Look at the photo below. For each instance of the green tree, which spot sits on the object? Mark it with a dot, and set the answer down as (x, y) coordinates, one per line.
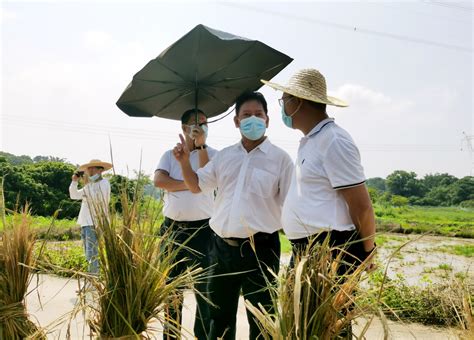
(462, 190)
(16, 160)
(431, 181)
(399, 201)
(405, 184)
(377, 183)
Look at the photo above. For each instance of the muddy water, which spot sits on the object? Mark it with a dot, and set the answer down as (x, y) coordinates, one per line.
(421, 260)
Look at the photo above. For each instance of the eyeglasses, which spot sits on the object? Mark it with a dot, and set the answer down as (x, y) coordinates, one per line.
(281, 101)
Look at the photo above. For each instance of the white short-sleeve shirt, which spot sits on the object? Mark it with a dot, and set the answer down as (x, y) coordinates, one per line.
(184, 205)
(328, 160)
(251, 188)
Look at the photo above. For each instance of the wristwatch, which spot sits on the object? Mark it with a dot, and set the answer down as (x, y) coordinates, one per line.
(202, 147)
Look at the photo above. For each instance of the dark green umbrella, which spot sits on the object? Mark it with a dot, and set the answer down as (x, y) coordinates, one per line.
(206, 68)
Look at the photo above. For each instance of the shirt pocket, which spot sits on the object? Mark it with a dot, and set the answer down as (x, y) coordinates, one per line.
(263, 183)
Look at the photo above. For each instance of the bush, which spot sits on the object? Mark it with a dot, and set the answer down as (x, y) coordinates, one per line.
(446, 304)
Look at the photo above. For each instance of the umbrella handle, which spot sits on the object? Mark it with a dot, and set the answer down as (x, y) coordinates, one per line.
(218, 119)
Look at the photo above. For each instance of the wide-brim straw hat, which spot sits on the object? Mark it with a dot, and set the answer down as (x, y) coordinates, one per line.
(308, 84)
(96, 163)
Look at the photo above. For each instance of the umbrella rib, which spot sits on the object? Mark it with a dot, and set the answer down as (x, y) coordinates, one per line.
(213, 96)
(172, 101)
(153, 95)
(170, 69)
(246, 77)
(233, 61)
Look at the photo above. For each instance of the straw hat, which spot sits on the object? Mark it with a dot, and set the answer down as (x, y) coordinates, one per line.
(96, 163)
(308, 84)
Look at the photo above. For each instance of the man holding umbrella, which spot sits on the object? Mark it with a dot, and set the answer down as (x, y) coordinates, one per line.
(187, 216)
(252, 178)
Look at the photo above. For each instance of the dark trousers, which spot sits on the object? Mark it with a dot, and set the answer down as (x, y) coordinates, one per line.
(197, 235)
(240, 268)
(353, 255)
(348, 240)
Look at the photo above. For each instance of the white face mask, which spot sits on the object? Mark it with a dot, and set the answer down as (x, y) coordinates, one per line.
(203, 127)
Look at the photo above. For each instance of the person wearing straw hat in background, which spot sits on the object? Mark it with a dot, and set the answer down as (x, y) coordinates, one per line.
(327, 195)
(95, 196)
(187, 215)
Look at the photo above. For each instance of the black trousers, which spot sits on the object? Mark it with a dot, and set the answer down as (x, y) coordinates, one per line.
(199, 242)
(348, 240)
(353, 256)
(239, 268)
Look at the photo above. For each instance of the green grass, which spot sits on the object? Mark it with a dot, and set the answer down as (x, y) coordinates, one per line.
(61, 258)
(446, 221)
(445, 266)
(47, 228)
(466, 250)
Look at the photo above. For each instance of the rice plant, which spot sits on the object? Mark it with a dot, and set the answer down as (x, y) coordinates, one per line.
(16, 259)
(134, 286)
(311, 301)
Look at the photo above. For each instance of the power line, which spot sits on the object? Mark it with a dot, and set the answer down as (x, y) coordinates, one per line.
(104, 130)
(452, 5)
(352, 28)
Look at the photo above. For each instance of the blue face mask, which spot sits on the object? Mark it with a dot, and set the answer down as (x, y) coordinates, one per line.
(287, 120)
(94, 178)
(253, 128)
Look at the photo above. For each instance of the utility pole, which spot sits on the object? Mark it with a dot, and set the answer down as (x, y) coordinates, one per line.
(468, 140)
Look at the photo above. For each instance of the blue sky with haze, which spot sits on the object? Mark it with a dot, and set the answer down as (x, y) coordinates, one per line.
(405, 68)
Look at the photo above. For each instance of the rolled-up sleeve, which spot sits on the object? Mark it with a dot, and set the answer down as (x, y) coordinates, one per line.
(207, 176)
(74, 193)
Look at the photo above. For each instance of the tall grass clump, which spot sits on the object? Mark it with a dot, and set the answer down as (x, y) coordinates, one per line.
(133, 286)
(311, 300)
(16, 259)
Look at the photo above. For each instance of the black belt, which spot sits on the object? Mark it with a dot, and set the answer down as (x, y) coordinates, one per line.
(185, 224)
(257, 238)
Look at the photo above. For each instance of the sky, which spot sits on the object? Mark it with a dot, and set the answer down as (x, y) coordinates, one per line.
(405, 68)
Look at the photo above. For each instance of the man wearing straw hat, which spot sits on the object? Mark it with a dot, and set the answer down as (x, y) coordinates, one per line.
(95, 196)
(327, 196)
(187, 216)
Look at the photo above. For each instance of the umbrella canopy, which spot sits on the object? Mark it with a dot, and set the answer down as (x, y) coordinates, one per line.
(205, 69)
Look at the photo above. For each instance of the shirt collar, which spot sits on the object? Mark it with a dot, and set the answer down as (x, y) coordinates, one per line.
(264, 146)
(319, 126)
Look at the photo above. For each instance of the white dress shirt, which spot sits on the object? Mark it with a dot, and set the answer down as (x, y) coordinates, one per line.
(251, 188)
(95, 198)
(328, 160)
(184, 205)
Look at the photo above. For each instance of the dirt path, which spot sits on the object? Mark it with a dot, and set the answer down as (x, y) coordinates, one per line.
(58, 298)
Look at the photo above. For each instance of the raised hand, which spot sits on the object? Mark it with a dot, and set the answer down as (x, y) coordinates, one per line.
(181, 150)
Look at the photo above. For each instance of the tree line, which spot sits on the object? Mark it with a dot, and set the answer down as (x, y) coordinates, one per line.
(43, 182)
(439, 189)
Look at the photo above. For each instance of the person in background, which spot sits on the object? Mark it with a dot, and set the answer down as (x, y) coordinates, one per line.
(95, 197)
